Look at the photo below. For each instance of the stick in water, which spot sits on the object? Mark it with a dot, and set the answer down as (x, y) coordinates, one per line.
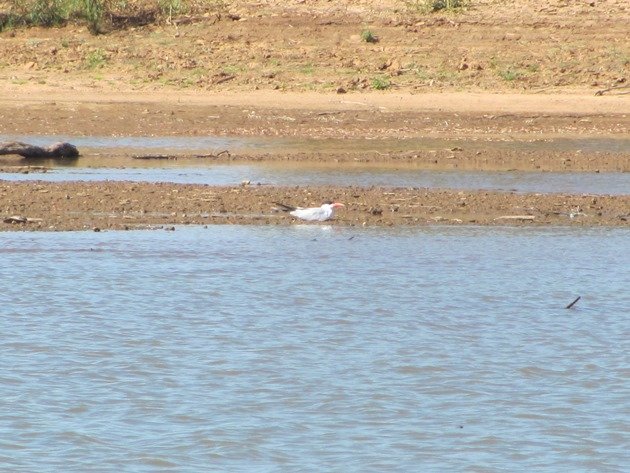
(573, 303)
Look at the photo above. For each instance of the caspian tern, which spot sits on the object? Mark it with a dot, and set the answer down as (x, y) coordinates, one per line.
(319, 214)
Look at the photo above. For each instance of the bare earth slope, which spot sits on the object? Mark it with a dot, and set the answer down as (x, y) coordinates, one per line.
(300, 45)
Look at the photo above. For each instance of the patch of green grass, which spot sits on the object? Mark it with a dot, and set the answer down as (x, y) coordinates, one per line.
(169, 8)
(33, 42)
(368, 36)
(92, 11)
(167, 81)
(232, 69)
(308, 69)
(8, 21)
(619, 56)
(431, 6)
(532, 68)
(510, 74)
(445, 75)
(186, 82)
(47, 12)
(381, 83)
(95, 12)
(95, 59)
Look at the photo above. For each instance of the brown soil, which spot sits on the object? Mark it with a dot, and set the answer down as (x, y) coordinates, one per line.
(499, 73)
(316, 45)
(111, 205)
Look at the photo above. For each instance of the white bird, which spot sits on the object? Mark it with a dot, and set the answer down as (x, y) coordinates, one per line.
(319, 214)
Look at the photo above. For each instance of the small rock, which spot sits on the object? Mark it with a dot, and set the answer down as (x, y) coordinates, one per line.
(511, 37)
(341, 90)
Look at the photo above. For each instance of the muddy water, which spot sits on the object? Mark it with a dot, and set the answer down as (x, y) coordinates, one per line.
(109, 158)
(209, 144)
(315, 349)
(309, 175)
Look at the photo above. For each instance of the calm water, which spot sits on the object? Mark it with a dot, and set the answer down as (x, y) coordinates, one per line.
(214, 143)
(315, 348)
(548, 182)
(111, 166)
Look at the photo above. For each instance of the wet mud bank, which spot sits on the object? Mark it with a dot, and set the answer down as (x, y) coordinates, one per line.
(126, 205)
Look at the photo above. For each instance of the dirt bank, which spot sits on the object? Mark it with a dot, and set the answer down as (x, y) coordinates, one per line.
(318, 45)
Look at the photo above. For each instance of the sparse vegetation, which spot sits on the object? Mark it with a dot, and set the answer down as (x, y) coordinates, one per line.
(95, 59)
(510, 74)
(168, 8)
(420, 54)
(308, 69)
(96, 13)
(430, 6)
(369, 37)
(381, 83)
(93, 12)
(46, 12)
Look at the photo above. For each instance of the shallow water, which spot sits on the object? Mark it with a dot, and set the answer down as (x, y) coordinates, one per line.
(97, 167)
(556, 182)
(208, 144)
(315, 348)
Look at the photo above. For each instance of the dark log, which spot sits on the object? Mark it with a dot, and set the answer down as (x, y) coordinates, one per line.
(55, 150)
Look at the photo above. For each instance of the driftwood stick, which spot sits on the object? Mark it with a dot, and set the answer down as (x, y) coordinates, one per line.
(218, 155)
(573, 303)
(154, 156)
(614, 87)
(525, 218)
(172, 156)
(56, 150)
(225, 78)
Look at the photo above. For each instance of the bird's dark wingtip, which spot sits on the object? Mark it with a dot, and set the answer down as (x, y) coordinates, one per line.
(284, 207)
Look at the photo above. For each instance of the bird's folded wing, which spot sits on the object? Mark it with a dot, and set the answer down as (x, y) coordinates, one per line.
(284, 207)
(312, 214)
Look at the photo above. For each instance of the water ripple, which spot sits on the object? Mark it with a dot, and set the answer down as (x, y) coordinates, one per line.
(257, 349)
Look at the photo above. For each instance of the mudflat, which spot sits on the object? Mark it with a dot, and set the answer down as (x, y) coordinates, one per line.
(510, 85)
